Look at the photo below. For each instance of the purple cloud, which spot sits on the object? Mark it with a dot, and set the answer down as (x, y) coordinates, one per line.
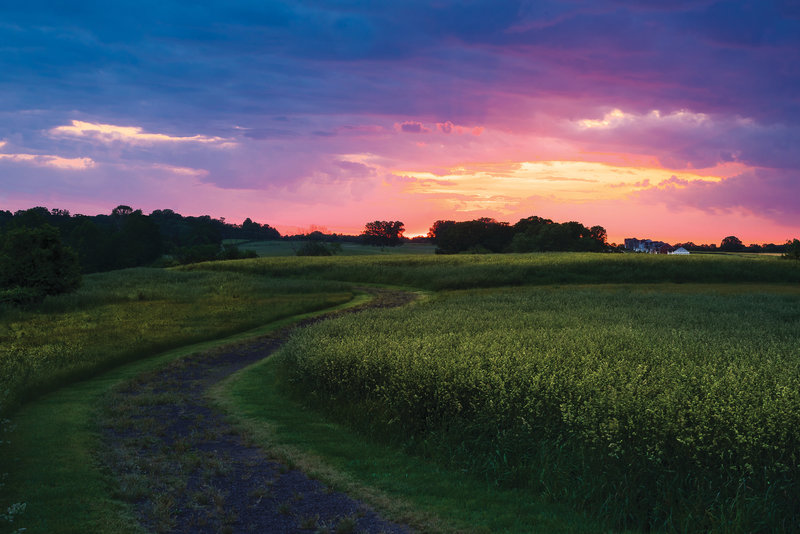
(767, 193)
(413, 127)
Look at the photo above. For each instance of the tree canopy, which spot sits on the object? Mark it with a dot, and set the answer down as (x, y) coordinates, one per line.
(126, 237)
(792, 250)
(731, 244)
(34, 263)
(383, 233)
(532, 234)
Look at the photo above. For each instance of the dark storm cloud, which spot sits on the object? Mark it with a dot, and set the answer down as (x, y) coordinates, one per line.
(174, 60)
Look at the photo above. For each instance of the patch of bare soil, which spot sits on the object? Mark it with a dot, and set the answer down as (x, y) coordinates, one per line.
(185, 468)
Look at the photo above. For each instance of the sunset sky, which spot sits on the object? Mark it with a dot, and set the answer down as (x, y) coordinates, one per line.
(673, 120)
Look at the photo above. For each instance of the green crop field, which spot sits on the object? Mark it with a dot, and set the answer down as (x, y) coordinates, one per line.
(656, 407)
(289, 248)
(465, 271)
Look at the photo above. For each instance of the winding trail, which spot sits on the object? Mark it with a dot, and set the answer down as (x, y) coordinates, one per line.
(186, 469)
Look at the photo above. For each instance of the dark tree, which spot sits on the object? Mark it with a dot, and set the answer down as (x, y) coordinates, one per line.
(731, 244)
(535, 234)
(318, 248)
(254, 230)
(121, 211)
(479, 235)
(383, 233)
(138, 241)
(792, 250)
(93, 245)
(35, 258)
(598, 234)
(31, 218)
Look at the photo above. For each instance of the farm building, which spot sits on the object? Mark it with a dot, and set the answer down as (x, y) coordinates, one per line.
(646, 245)
(680, 250)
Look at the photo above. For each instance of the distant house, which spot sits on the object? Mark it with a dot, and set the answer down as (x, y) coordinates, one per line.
(645, 245)
(680, 250)
(665, 248)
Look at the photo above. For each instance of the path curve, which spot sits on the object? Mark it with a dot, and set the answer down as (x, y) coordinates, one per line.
(185, 469)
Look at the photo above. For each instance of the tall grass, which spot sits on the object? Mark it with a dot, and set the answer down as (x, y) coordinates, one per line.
(471, 271)
(653, 408)
(122, 315)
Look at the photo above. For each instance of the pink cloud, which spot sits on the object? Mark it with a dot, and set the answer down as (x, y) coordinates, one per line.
(767, 193)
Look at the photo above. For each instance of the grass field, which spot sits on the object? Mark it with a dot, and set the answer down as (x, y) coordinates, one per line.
(114, 318)
(52, 453)
(123, 315)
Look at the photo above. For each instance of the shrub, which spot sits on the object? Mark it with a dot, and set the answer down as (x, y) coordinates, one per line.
(792, 250)
(35, 258)
(21, 296)
(318, 248)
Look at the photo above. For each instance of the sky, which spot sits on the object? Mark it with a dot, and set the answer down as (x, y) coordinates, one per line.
(671, 120)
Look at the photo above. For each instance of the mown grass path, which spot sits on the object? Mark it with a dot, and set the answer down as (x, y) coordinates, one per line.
(185, 469)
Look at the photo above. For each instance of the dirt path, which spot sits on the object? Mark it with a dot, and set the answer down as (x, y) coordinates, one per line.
(185, 469)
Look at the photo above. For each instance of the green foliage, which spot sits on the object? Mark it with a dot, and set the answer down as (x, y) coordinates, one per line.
(20, 296)
(318, 248)
(210, 252)
(469, 271)
(483, 234)
(196, 253)
(673, 409)
(792, 250)
(35, 259)
(123, 315)
(383, 233)
(232, 252)
(93, 246)
(731, 244)
(533, 234)
(254, 230)
(128, 238)
(138, 241)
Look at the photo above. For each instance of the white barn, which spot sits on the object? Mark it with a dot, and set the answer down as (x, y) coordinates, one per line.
(680, 250)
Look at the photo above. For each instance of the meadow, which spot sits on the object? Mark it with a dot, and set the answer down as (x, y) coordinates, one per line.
(124, 315)
(648, 392)
(674, 408)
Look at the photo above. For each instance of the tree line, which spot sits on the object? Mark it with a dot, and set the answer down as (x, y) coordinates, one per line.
(532, 234)
(732, 243)
(44, 252)
(129, 238)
